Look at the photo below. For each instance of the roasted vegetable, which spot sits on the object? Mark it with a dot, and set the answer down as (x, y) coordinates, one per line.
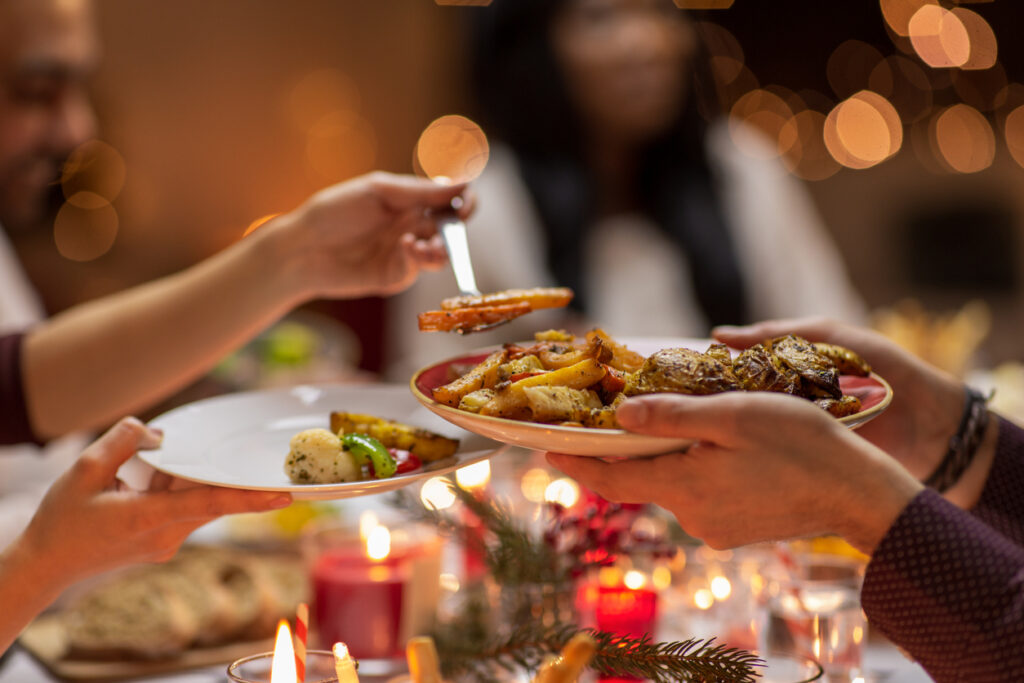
(367, 450)
(426, 445)
(681, 371)
(483, 376)
(466, 320)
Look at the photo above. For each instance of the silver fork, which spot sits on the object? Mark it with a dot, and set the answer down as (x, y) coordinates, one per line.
(453, 234)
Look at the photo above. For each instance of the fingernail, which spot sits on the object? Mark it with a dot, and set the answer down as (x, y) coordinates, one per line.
(156, 431)
(277, 501)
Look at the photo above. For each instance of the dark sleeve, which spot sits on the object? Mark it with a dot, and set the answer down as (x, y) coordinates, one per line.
(1001, 505)
(949, 590)
(14, 422)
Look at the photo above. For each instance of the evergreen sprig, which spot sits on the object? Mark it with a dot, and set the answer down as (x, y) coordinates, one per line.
(465, 651)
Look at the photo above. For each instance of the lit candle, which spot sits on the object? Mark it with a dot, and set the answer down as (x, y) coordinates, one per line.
(359, 596)
(424, 664)
(282, 668)
(344, 665)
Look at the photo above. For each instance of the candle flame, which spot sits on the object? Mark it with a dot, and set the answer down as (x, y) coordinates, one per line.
(340, 651)
(378, 543)
(282, 669)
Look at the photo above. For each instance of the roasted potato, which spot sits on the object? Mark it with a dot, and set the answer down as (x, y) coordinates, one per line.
(483, 376)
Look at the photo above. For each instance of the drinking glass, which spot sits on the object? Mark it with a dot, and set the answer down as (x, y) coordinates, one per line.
(256, 669)
(813, 610)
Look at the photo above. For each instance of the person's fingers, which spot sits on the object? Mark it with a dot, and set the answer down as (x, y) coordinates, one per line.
(812, 329)
(160, 481)
(400, 192)
(210, 502)
(704, 418)
(99, 462)
(468, 205)
(622, 482)
(430, 254)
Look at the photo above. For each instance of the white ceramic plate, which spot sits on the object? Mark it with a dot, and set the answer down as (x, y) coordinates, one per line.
(241, 440)
(874, 392)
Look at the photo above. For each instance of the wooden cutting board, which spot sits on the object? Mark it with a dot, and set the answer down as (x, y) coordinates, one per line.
(46, 641)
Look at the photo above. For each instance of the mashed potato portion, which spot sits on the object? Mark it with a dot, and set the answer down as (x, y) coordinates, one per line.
(316, 457)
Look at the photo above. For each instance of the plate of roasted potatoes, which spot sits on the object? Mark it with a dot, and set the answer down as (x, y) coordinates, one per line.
(559, 392)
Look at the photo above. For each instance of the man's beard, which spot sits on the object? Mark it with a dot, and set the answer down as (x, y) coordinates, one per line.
(48, 203)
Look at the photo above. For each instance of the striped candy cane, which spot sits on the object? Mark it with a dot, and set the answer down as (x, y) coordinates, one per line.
(301, 633)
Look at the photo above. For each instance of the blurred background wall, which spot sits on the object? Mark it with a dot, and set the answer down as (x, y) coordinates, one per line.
(227, 111)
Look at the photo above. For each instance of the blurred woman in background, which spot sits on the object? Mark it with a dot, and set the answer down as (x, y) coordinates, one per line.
(613, 173)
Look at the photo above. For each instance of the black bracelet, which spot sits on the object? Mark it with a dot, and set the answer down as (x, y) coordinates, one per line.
(963, 444)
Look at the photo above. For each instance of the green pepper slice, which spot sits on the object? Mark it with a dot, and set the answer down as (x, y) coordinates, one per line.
(368, 449)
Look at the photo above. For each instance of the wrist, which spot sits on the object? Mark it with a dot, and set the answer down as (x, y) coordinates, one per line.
(278, 256)
(25, 570)
(877, 496)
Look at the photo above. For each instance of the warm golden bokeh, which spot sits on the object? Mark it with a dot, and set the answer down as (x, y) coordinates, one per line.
(1013, 130)
(982, 40)
(939, 37)
(808, 158)
(452, 147)
(863, 131)
(768, 113)
(94, 167)
(85, 227)
(964, 139)
(897, 13)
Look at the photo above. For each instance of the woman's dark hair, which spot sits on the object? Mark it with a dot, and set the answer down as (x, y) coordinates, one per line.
(523, 101)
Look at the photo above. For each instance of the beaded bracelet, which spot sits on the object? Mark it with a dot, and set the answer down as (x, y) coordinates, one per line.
(963, 444)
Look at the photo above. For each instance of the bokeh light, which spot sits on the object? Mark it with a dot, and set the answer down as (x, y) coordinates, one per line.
(897, 13)
(984, 49)
(964, 139)
(95, 168)
(563, 491)
(1013, 130)
(905, 85)
(727, 63)
(850, 65)
(809, 158)
(85, 227)
(436, 494)
(534, 483)
(863, 130)
(939, 37)
(452, 147)
(768, 113)
(474, 476)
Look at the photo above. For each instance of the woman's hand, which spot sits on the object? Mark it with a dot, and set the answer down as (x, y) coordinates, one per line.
(764, 467)
(927, 403)
(367, 236)
(89, 523)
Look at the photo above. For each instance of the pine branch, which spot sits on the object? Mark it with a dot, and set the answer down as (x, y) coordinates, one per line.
(513, 557)
(626, 656)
